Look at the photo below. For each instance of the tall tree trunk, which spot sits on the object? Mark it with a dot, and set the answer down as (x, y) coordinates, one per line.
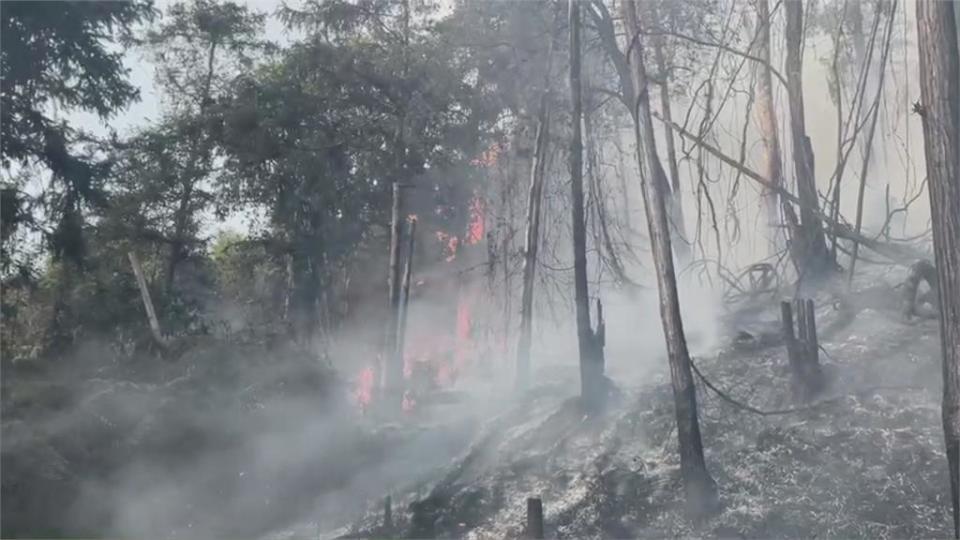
(809, 249)
(532, 241)
(391, 372)
(699, 487)
(766, 116)
(591, 363)
(940, 95)
(675, 198)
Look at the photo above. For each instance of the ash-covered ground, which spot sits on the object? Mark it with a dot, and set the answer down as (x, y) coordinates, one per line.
(249, 441)
(868, 462)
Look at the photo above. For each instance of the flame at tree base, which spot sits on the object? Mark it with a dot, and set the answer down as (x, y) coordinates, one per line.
(363, 393)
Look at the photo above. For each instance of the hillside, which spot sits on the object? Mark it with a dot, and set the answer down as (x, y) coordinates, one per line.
(866, 463)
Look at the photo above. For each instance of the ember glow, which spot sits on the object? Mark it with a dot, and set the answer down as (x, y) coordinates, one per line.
(451, 242)
(363, 394)
(489, 157)
(464, 345)
(477, 225)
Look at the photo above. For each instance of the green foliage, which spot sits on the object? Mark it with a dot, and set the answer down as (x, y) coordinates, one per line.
(60, 55)
(309, 137)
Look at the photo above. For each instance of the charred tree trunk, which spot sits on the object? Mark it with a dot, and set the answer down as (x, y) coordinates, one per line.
(766, 117)
(387, 517)
(940, 112)
(591, 361)
(534, 200)
(803, 348)
(809, 247)
(699, 487)
(534, 527)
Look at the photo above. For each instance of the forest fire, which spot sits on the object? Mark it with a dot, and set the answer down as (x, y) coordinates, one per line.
(363, 393)
(477, 225)
(341, 268)
(464, 344)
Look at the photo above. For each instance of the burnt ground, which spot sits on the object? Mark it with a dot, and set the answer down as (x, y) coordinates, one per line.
(868, 463)
(245, 441)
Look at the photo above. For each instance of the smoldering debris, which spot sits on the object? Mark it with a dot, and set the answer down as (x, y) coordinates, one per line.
(867, 464)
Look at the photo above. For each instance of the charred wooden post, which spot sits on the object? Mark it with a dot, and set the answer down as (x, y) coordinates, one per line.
(789, 339)
(404, 301)
(802, 347)
(794, 345)
(147, 301)
(813, 375)
(601, 332)
(387, 516)
(534, 518)
(812, 341)
(800, 315)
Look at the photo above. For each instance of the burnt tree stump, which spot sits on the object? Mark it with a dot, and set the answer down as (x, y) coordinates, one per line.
(387, 516)
(534, 518)
(803, 348)
(922, 270)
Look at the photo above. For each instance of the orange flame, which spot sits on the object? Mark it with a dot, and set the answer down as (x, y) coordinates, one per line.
(489, 157)
(451, 242)
(464, 344)
(475, 229)
(363, 394)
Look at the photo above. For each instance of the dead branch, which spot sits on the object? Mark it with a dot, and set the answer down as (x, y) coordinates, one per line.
(898, 254)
